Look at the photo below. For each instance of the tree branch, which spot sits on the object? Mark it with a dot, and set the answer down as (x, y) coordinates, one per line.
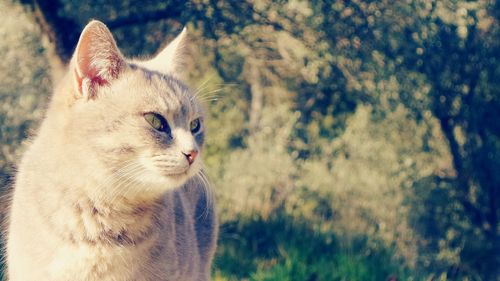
(170, 12)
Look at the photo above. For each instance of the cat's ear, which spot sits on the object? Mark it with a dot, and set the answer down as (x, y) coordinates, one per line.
(171, 60)
(96, 61)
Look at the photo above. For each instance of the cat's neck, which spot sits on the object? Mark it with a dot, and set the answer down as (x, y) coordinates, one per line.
(121, 221)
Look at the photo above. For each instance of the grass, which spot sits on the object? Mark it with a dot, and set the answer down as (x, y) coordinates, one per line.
(280, 248)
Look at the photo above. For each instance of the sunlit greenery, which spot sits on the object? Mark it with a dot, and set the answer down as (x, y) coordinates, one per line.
(348, 140)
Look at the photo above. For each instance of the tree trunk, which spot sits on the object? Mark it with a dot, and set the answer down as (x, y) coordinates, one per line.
(257, 95)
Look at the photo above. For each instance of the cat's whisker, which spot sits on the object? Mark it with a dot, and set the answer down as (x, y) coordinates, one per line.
(204, 182)
(111, 178)
(115, 178)
(199, 94)
(128, 179)
(213, 95)
(202, 86)
(168, 164)
(163, 159)
(213, 91)
(204, 82)
(164, 155)
(208, 95)
(131, 181)
(120, 190)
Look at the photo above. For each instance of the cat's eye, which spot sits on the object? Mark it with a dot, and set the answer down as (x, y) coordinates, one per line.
(156, 121)
(195, 125)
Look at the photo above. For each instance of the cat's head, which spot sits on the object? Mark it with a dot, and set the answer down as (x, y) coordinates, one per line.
(136, 117)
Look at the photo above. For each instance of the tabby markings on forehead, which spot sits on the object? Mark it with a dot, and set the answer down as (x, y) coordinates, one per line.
(171, 81)
(175, 85)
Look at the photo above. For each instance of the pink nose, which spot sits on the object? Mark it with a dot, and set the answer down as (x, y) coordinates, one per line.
(191, 155)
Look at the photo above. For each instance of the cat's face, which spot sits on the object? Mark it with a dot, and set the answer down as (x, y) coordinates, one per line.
(144, 121)
(143, 124)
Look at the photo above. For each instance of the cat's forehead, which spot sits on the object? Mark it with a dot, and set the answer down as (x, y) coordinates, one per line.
(165, 92)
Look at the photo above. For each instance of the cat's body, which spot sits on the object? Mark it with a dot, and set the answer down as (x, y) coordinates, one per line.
(100, 194)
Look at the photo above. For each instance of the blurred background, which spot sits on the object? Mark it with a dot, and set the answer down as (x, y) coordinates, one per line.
(348, 140)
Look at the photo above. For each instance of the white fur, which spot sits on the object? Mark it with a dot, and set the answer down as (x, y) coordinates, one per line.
(99, 195)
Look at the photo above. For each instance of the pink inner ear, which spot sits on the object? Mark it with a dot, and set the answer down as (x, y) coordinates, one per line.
(94, 80)
(97, 59)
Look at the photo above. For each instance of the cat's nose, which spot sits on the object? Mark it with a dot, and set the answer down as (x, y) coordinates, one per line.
(191, 155)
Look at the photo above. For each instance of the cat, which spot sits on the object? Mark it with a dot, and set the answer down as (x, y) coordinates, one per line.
(112, 186)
